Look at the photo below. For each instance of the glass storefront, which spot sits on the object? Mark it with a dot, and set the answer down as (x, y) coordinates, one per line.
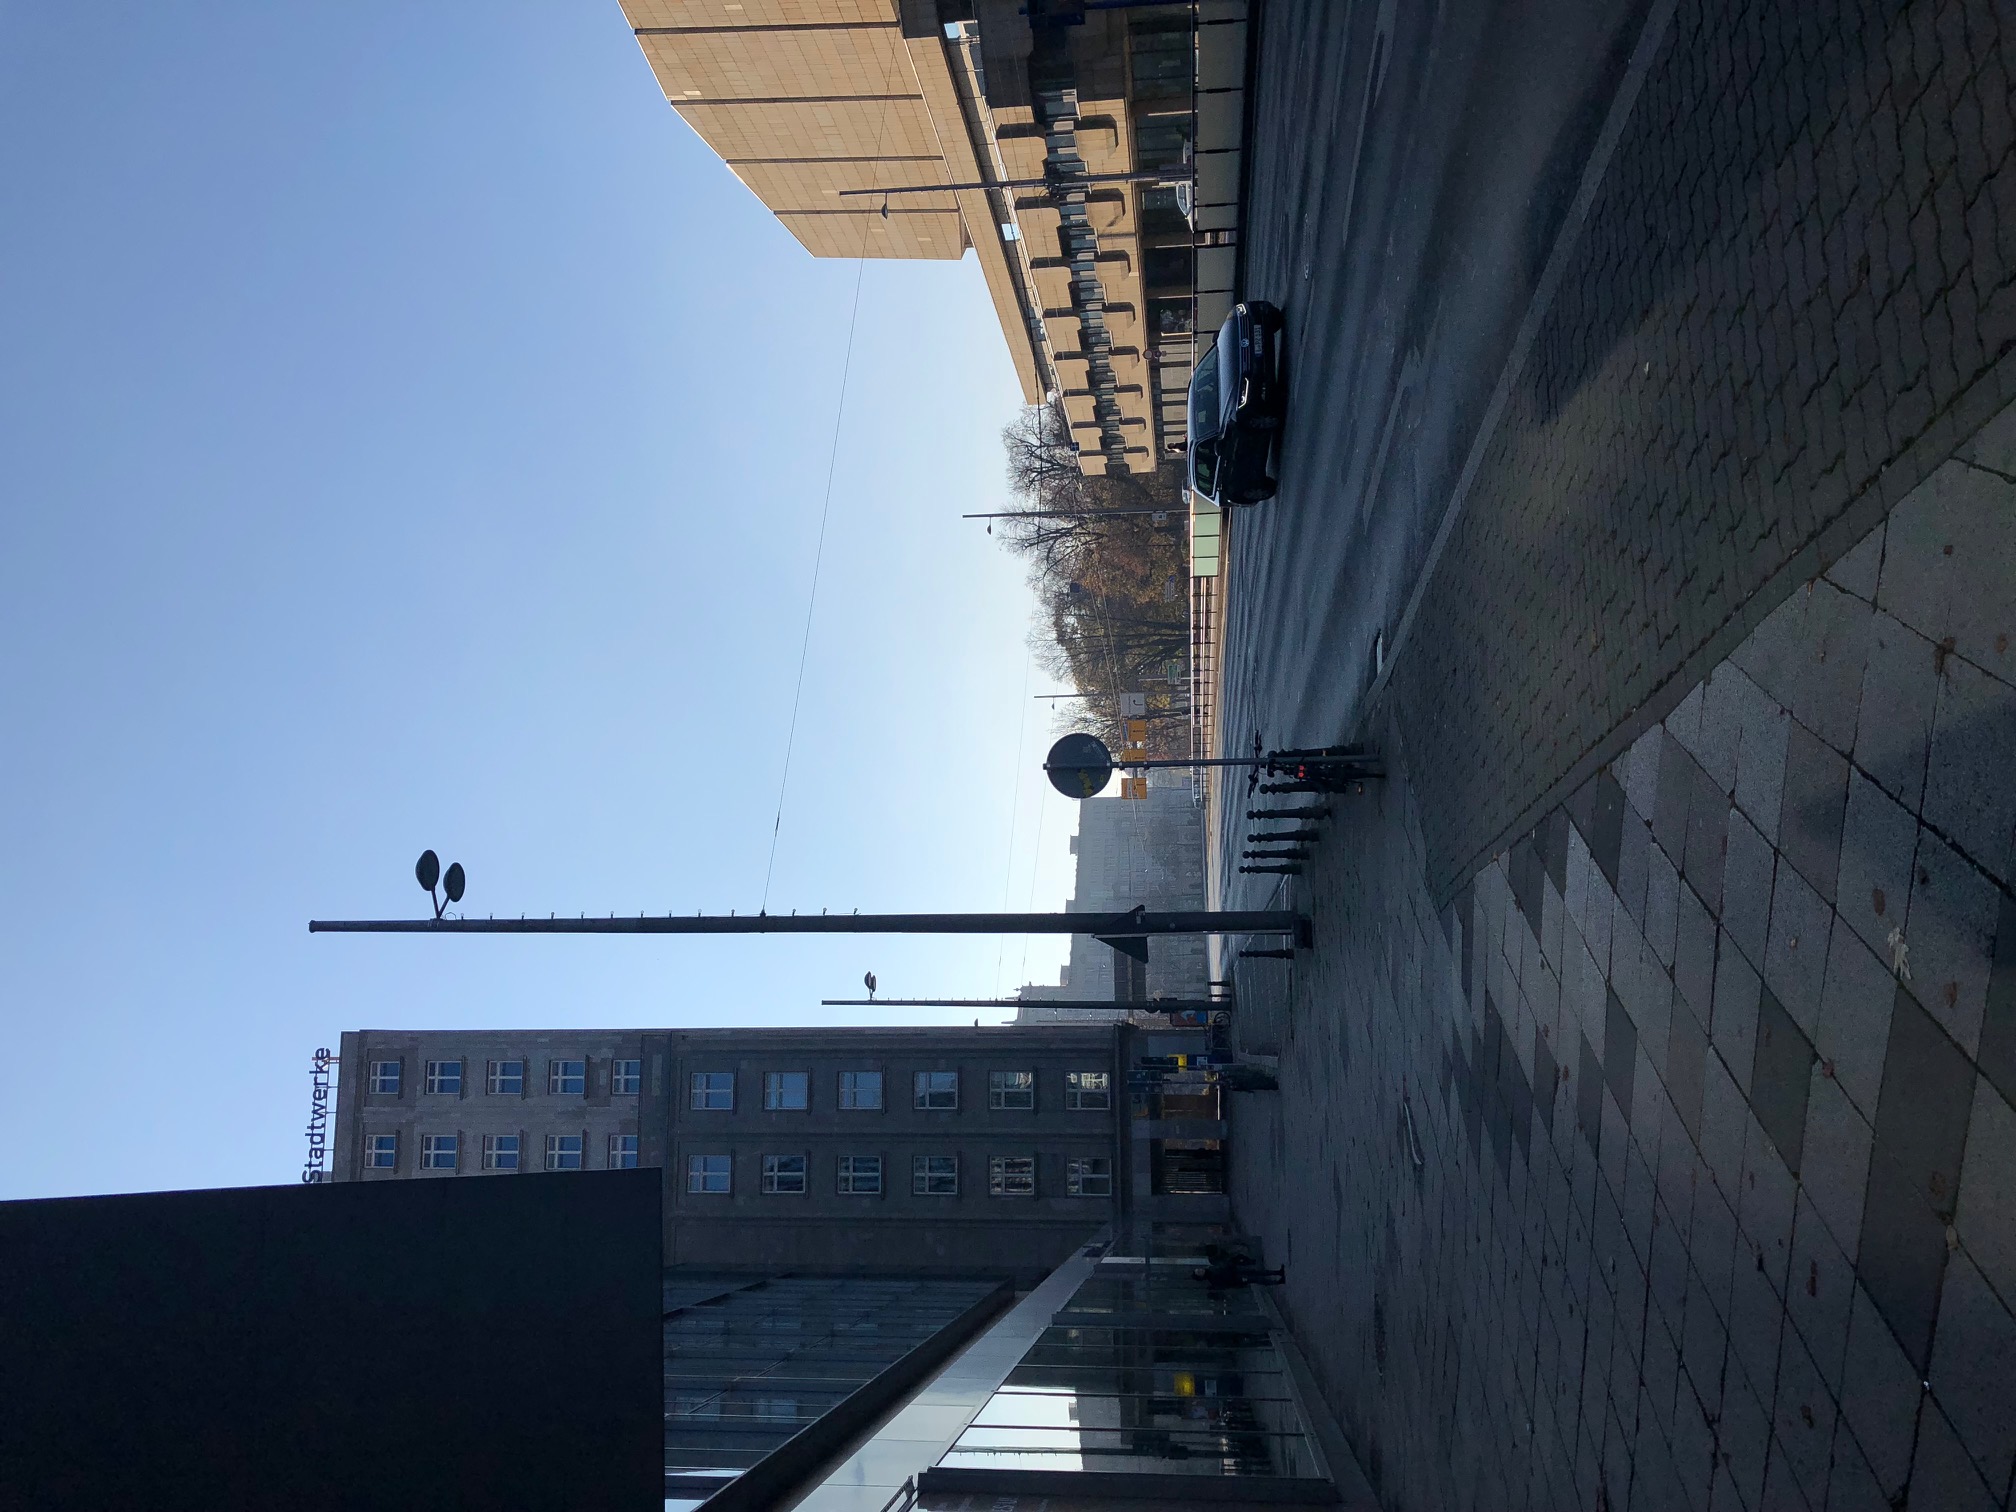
(749, 1362)
(1165, 1362)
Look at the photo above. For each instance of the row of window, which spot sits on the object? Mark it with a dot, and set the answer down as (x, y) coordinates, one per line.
(930, 1175)
(501, 1152)
(791, 1091)
(566, 1078)
(783, 1091)
(782, 1175)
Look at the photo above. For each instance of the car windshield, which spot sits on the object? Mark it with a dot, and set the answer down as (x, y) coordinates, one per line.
(1204, 402)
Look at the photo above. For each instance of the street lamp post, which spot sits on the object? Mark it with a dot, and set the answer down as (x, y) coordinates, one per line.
(1072, 514)
(1127, 932)
(1164, 176)
(1084, 1005)
(1138, 924)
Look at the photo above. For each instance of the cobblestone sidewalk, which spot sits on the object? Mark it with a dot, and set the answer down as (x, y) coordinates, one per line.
(1674, 1164)
(1794, 294)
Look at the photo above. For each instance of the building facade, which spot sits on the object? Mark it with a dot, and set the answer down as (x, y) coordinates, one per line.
(841, 1208)
(1059, 134)
(941, 1149)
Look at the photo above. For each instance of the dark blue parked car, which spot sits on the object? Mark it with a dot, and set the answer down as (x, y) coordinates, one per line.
(1237, 399)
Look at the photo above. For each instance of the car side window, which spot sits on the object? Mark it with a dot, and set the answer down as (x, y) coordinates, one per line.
(1204, 398)
(1204, 468)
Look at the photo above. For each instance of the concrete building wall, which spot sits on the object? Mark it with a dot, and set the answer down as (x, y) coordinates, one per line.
(1132, 851)
(967, 1231)
(833, 61)
(714, 15)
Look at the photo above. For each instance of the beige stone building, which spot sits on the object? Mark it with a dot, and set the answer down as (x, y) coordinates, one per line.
(1094, 267)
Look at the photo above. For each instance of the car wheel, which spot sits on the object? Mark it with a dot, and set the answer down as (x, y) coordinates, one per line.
(1257, 493)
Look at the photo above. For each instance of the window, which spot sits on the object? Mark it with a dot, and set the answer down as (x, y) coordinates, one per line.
(569, 1078)
(385, 1077)
(783, 1173)
(622, 1152)
(1012, 1176)
(444, 1076)
(1162, 59)
(937, 1089)
(860, 1175)
(787, 1091)
(1090, 1178)
(861, 1089)
(500, 1152)
(563, 1152)
(439, 1152)
(935, 1176)
(626, 1077)
(1088, 1089)
(706, 1173)
(1011, 1089)
(713, 1091)
(1159, 143)
(507, 1078)
(381, 1151)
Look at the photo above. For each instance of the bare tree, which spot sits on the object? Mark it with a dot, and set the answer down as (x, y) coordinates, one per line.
(1116, 616)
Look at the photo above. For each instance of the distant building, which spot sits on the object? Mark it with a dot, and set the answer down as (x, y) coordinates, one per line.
(1131, 851)
(942, 1149)
(945, 1149)
(1058, 115)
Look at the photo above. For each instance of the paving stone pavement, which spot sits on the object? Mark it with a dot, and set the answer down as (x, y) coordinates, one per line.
(1794, 294)
(1672, 1164)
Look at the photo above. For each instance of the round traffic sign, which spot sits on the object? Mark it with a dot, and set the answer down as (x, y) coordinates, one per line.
(1079, 765)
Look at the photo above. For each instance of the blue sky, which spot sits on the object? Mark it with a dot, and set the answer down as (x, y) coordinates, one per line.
(411, 435)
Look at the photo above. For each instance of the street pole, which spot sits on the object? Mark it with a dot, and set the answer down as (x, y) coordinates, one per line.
(1080, 765)
(1138, 925)
(1140, 176)
(1123, 764)
(1144, 1005)
(1075, 514)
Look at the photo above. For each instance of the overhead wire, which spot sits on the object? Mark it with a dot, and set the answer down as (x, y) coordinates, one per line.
(826, 502)
(1014, 811)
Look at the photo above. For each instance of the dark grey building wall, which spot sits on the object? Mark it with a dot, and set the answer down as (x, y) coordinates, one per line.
(427, 1344)
(973, 1232)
